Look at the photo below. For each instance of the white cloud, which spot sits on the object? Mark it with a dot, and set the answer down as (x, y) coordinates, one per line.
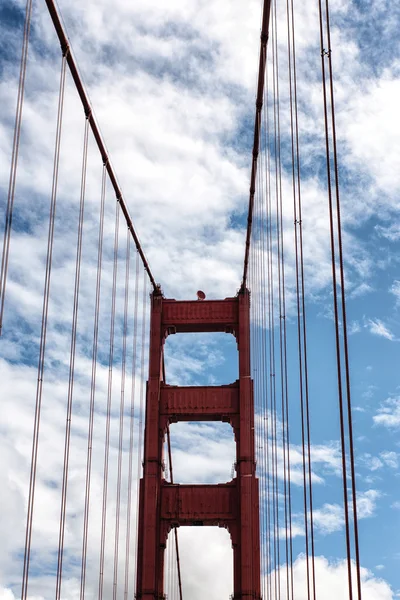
(329, 518)
(391, 459)
(377, 327)
(207, 562)
(172, 88)
(388, 413)
(366, 503)
(372, 463)
(390, 232)
(380, 100)
(202, 452)
(354, 327)
(331, 579)
(361, 290)
(395, 290)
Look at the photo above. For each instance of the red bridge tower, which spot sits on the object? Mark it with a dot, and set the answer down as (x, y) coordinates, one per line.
(233, 505)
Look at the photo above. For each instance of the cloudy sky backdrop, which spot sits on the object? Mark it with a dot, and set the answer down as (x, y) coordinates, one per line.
(173, 88)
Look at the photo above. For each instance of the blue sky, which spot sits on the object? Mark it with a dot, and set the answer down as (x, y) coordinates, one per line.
(173, 89)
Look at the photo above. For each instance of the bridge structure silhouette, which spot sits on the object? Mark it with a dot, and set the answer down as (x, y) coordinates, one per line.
(147, 507)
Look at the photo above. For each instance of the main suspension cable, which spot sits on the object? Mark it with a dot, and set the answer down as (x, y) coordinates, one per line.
(65, 45)
(257, 130)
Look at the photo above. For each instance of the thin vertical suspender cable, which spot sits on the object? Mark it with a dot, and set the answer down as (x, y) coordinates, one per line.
(307, 405)
(271, 362)
(272, 388)
(92, 388)
(131, 430)
(254, 375)
(267, 411)
(282, 338)
(291, 48)
(256, 285)
(301, 394)
(303, 308)
(72, 366)
(344, 314)
(121, 414)
(141, 409)
(278, 192)
(46, 295)
(301, 319)
(178, 562)
(327, 53)
(258, 291)
(14, 160)
(109, 400)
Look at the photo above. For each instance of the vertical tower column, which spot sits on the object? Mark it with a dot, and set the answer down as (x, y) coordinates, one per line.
(148, 568)
(233, 505)
(246, 466)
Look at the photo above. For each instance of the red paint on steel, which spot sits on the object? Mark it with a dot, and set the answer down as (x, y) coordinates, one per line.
(233, 505)
(199, 403)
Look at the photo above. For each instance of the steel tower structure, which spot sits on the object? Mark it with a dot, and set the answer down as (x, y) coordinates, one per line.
(233, 505)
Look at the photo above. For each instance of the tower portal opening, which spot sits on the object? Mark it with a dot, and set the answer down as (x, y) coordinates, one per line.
(201, 359)
(202, 452)
(206, 560)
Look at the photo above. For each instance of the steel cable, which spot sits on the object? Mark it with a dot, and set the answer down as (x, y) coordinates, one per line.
(43, 335)
(72, 366)
(344, 314)
(339, 312)
(109, 401)
(14, 160)
(92, 388)
(141, 410)
(131, 430)
(121, 414)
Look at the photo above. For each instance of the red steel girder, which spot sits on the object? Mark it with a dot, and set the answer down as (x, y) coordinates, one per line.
(199, 403)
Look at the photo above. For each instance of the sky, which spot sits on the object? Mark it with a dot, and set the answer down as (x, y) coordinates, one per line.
(173, 88)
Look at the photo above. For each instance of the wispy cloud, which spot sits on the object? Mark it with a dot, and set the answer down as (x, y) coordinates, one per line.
(372, 463)
(395, 290)
(388, 413)
(366, 503)
(390, 232)
(385, 459)
(391, 459)
(361, 290)
(377, 327)
(330, 517)
(355, 327)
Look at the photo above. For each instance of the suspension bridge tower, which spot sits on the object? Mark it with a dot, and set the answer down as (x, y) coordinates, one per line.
(233, 505)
